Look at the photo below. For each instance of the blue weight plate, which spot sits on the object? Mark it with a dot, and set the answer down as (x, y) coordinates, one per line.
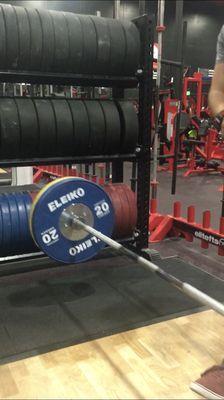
(31, 246)
(49, 208)
(23, 224)
(7, 227)
(15, 239)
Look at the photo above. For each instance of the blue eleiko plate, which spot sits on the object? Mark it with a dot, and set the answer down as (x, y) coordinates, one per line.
(30, 244)
(46, 212)
(7, 227)
(15, 239)
(23, 224)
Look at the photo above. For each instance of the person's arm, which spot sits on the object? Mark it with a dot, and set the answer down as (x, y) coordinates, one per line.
(216, 94)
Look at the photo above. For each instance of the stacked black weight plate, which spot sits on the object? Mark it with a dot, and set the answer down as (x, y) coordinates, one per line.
(81, 127)
(29, 130)
(15, 237)
(39, 128)
(129, 126)
(64, 127)
(112, 127)
(97, 126)
(10, 129)
(54, 41)
(47, 146)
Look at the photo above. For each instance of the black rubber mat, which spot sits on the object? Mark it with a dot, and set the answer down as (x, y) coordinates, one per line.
(39, 313)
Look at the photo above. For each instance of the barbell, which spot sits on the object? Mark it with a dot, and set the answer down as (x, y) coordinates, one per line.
(72, 219)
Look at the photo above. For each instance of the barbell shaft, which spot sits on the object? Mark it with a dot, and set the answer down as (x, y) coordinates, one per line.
(184, 287)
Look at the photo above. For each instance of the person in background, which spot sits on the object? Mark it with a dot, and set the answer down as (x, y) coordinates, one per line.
(211, 383)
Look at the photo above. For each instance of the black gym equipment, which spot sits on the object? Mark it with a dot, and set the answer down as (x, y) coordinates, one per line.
(103, 44)
(129, 125)
(112, 127)
(47, 127)
(36, 39)
(63, 127)
(97, 126)
(76, 47)
(48, 43)
(39, 127)
(29, 130)
(10, 129)
(61, 42)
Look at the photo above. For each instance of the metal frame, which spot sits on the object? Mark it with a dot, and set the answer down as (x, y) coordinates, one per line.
(146, 28)
(67, 79)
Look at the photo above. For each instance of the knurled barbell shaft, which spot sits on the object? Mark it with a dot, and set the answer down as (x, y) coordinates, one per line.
(184, 287)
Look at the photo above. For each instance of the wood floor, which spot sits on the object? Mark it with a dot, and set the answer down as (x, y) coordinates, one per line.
(158, 361)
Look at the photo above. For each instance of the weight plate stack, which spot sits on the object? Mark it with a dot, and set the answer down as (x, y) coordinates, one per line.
(36, 36)
(41, 127)
(103, 44)
(9, 129)
(56, 41)
(89, 45)
(129, 126)
(97, 126)
(61, 50)
(29, 127)
(47, 138)
(81, 126)
(125, 209)
(113, 127)
(64, 127)
(52, 219)
(75, 46)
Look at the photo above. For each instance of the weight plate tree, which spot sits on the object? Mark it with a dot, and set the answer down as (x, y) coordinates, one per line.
(39, 127)
(55, 41)
(51, 219)
(72, 219)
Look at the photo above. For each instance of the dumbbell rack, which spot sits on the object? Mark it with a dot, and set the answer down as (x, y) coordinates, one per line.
(141, 157)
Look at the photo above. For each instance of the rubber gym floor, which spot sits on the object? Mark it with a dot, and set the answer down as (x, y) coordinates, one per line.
(108, 328)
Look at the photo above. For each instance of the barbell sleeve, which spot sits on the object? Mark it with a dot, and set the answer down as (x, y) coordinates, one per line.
(184, 287)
